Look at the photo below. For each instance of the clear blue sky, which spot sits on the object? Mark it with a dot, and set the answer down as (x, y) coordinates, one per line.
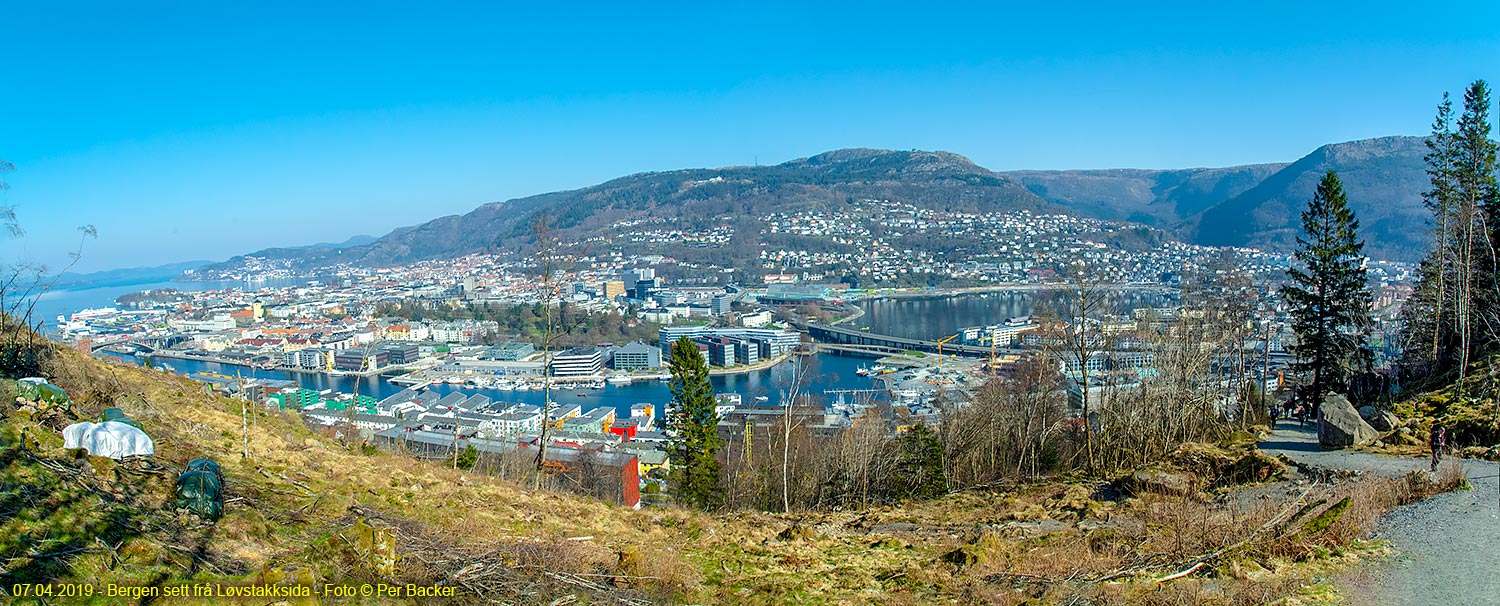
(197, 129)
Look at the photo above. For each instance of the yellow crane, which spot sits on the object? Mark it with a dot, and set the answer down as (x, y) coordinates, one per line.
(940, 350)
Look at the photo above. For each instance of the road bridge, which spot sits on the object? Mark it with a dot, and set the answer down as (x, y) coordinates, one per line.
(838, 335)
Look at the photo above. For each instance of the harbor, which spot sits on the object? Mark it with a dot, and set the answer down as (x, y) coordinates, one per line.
(831, 371)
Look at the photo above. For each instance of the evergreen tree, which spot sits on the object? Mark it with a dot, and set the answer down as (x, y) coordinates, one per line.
(467, 458)
(1329, 300)
(1427, 313)
(695, 426)
(919, 468)
(1474, 160)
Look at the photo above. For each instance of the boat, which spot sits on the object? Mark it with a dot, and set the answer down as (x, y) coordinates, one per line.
(455, 380)
(581, 394)
(618, 379)
(762, 398)
(596, 385)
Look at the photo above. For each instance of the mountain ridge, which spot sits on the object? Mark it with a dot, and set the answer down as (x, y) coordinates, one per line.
(1250, 205)
(1383, 177)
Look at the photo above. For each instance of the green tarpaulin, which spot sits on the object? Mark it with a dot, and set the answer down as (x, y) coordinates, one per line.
(200, 489)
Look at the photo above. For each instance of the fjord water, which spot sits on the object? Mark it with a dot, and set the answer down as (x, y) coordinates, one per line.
(940, 316)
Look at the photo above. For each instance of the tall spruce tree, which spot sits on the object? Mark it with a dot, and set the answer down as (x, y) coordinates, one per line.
(695, 425)
(1328, 297)
(1474, 162)
(1428, 311)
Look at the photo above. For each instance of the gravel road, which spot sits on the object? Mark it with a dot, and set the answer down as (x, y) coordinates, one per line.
(1449, 545)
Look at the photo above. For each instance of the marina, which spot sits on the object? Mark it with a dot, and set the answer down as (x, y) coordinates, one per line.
(763, 387)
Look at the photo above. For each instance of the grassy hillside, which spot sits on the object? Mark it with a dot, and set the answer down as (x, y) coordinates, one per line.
(293, 508)
(305, 510)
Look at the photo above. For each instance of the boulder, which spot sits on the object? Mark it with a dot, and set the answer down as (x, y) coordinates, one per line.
(798, 532)
(1160, 481)
(1381, 420)
(1385, 420)
(1339, 425)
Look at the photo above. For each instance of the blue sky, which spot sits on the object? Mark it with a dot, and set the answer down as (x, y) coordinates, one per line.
(202, 130)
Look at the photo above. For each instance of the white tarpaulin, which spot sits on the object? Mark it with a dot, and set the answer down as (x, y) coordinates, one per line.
(108, 439)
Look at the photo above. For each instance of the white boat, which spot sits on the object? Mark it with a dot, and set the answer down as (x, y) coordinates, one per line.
(618, 379)
(762, 398)
(596, 385)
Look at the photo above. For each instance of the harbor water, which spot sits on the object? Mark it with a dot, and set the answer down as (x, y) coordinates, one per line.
(825, 371)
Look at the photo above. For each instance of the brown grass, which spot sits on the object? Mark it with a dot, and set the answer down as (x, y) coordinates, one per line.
(1048, 542)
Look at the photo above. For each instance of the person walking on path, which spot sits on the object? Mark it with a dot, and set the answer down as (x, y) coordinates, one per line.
(1438, 440)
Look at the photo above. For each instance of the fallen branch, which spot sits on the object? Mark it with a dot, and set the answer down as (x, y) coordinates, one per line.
(1173, 577)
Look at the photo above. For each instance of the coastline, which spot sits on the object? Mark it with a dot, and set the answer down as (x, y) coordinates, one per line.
(748, 368)
(171, 355)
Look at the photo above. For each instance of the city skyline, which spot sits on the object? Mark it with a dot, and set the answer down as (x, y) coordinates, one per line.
(196, 132)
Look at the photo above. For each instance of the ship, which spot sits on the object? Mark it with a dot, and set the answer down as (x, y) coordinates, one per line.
(618, 379)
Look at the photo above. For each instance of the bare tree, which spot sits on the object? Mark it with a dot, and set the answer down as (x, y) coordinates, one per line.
(1077, 337)
(548, 260)
(794, 390)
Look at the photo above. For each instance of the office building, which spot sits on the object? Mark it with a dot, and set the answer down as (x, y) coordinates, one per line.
(636, 356)
(720, 304)
(578, 362)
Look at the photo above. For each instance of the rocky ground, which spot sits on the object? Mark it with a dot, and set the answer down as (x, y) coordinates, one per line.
(1448, 547)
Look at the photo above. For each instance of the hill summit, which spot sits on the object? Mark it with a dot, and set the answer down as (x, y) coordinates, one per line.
(1253, 205)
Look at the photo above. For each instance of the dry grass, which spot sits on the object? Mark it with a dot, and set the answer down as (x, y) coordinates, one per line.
(1047, 542)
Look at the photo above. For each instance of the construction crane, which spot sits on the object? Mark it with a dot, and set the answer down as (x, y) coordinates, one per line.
(940, 350)
(749, 442)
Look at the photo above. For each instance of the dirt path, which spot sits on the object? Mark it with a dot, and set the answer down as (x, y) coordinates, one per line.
(1449, 545)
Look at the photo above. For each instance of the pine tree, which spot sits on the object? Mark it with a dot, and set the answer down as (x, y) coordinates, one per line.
(695, 426)
(1329, 300)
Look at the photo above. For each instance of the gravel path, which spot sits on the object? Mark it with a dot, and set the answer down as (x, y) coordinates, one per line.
(1448, 546)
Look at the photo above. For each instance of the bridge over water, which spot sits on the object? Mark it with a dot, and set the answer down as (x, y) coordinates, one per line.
(146, 345)
(824, 333)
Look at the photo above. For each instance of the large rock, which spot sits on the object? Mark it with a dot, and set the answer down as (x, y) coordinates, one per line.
(1339, 425)
(1160, 481)
(1381, 420)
